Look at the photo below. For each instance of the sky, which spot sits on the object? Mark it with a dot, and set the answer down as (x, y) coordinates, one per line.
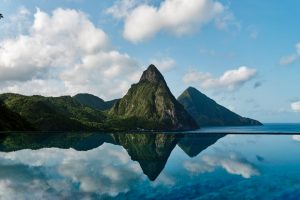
(243, 54)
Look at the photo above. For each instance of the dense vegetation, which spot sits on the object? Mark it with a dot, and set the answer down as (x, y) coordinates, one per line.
(12, 121)
(54, 113)
(32, 140)
(67, 114)
(207, 112)
(94, 102)
(150, 105)
(150, 150)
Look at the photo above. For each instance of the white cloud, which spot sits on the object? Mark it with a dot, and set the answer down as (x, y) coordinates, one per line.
(197, 167)
(121, 8)
(164, 64)
(232, 163)
(295, 106)
(290, 59)
(36, 86)
(296, 137)
(286, 60)
(230, 79)
(178, 17)
(110, 72)
(227, 21)
(51, 172)
(66, 48)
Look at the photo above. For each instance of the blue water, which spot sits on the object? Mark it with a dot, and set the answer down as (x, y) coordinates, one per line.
(266, 128)
(152, 166)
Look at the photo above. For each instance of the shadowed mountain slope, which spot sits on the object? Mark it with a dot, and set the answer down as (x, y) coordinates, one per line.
(94, 102)
(207, 112)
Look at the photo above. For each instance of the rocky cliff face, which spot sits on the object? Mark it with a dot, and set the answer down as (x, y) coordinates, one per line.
(151, 105)
(207, 112)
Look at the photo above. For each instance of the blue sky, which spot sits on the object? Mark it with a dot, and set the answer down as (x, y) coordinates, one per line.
(243, 54)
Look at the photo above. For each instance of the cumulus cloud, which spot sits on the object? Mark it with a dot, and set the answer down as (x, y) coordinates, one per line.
(142, 21)
(296, 137)
(230, 79)
(67, 48)
(164, 64)
(290, 59)
(36, 86)
(232, 163)
(122, 8)
(295, 106)
(51, 172)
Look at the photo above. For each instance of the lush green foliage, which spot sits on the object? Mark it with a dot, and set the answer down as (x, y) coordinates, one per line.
(94, 102)
(11, 121)
(149, 104)
(207, 112)
(55, 113)
(150, 150)
(79, 141)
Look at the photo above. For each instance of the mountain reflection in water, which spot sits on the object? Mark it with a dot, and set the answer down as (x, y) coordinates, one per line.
(150, 150)
(149, 166)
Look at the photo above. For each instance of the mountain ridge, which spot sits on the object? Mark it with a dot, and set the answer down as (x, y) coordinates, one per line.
(148, 105)
(208, 112)
(53, 113)
(151, 100)
(94, 101)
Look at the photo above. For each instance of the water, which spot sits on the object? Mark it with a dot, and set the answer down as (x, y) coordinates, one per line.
(266, 128)
(150, 166)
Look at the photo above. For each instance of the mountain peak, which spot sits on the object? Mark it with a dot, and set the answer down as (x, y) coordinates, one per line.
(150, 105)
(207, 112)
(194, 92)
(191, 89)
(152, 74)
(94, 102)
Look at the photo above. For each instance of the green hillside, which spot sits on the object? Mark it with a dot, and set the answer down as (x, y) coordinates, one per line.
(11, 121)
(94, 102)
(207, 112)
(54, 113)
(149, 104)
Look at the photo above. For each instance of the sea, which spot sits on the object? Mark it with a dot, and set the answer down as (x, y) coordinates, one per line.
(259, 162)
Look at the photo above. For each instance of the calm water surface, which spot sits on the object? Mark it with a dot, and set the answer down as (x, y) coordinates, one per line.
(149, 166)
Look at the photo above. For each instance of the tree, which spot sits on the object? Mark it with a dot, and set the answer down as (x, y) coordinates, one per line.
(1, 16)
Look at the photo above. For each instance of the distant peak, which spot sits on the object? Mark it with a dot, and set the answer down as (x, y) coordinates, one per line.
(189, 89)
(152, 74)
(152, 67)
(84, 94)
(193, 91)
